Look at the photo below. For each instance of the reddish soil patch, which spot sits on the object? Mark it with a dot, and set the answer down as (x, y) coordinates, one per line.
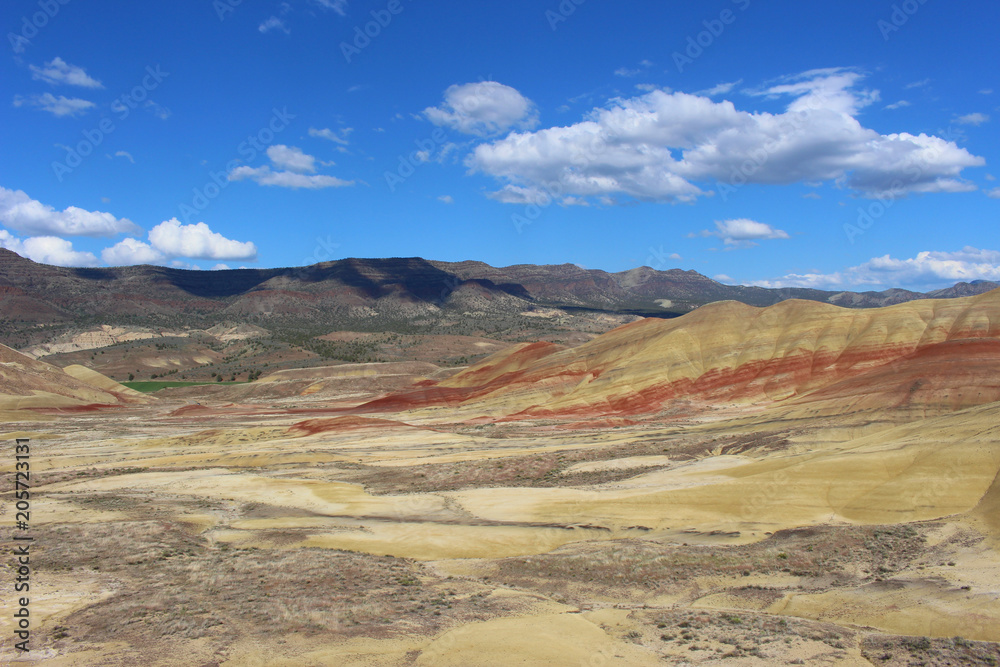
(314, 426)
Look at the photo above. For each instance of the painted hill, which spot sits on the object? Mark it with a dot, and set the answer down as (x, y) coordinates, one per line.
(939, 354)
(26, 383)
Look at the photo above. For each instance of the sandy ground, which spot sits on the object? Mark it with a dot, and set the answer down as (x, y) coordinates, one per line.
(242, 534)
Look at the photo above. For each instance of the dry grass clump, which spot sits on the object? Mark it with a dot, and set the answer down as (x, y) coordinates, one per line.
(170, 586)
(639, 568)
(545, 470)
(710, 634)
(891, 651)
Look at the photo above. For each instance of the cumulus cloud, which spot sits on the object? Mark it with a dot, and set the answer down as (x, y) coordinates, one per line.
(197, 241)
(742, 232)
(483, 109)
(660, 146)
(927, 269)
(58, 71)
(128, 252)
(973, 119)
(47, 250)
(291, 158)
(57, 106)
(21, 213)
(447, 199)
(994, 193)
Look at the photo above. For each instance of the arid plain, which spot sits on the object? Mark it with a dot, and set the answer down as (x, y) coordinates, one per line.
(795, 484)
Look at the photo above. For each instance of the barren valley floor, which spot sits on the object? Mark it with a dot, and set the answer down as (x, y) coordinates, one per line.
(185, 534)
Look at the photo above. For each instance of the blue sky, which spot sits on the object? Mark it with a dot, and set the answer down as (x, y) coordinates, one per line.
(838, 145)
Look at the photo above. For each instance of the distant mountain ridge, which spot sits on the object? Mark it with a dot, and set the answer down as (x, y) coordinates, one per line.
(359, 291)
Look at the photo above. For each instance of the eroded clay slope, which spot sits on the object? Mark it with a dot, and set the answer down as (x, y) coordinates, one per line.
(939, 352)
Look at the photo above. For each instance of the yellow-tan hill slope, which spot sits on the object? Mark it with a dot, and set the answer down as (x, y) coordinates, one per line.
(26, 383)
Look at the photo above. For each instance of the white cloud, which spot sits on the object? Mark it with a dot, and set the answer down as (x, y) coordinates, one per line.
(291, 158)
(742, 232)
(58, 71)
(157, 109)
(336, 136)
(273, 23)
(627, 73)
(58, 106)
(447, 199)
(897, 105)
(994, 193)
(986, 91)
(972, 119)
(286, 179)
(483, 109)
(515, 194)
(126, 155)
(658, 146)
(339, 6)
(298, 168)
(720, 88)
(918, 84)
(47, 250)
(723, 278)
(831, 88)
(220, 267)
(197, 242)
(128, 252)
(927, 269)
(21, 213)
